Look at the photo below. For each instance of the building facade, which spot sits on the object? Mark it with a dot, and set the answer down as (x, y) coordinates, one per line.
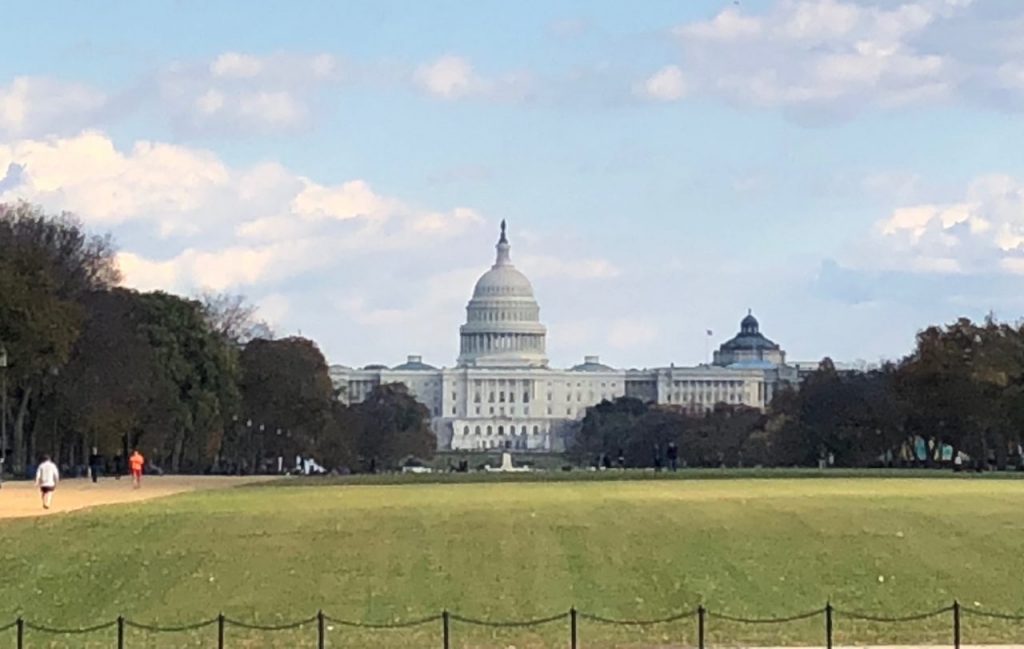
(502, 393)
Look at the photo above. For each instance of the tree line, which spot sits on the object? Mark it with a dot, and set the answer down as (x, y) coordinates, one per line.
(198, 384)
(958, 394)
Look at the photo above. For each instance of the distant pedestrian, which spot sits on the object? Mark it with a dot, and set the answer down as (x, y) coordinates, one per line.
(673, 456)
(136, 462)
(657, 458)
(95, 464)
(47, 477)
(622, 459)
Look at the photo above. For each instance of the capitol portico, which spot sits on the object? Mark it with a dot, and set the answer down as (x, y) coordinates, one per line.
(502, 393)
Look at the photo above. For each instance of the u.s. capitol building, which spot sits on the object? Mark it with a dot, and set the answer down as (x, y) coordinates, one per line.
(502, 393)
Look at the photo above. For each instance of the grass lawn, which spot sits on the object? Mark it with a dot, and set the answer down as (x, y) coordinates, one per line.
(510, 551)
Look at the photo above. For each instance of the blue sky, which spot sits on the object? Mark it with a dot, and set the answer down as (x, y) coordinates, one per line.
(851, 171)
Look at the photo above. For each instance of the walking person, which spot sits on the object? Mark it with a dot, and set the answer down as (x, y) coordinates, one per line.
(47, 477)
(95, 464)
(673, 456)
(136, 462)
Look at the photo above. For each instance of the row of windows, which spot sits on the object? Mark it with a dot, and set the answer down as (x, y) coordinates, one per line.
(489, 315)
(501, 430)
(501, 410)
(501, 397)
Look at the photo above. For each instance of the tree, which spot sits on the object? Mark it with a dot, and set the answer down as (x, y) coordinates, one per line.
(203, 367)
(47, 263)
(287, 395)
(391, 425)
(114, 383)
(234, 318)
(606, 428)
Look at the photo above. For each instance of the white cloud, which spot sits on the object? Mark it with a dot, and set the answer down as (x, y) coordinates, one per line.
(239, 226)
(235, 65)
(983, 232)
(449, 77)
(818, 55)
(667, 84)
(239, 92)
(453, 77)
(33, 106)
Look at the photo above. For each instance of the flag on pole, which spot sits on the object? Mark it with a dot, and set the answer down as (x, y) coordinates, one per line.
(710, 333)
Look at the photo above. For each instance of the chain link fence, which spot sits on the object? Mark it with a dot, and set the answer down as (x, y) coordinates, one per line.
(700, 617)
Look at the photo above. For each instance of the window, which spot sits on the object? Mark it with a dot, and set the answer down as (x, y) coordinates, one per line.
(536, 430)
(477, 431)
(501, 430)
(478, 410)
(568, 412)
(453, 410)
(549, 396)
(465, 431)
(501, 397)
(491, 399)
(489, 430)
(455, 397)
(492, 410)
(476, 398)
(524, 430)
(526, 397)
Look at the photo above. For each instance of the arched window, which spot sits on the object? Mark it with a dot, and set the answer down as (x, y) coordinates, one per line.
(524, 430)
(501, 430)
(488, 430)
(465, 431)
(477, 430)
(536, 430)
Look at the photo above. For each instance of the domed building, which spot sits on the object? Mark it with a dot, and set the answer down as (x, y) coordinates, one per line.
(502, 394)
(749, 348)
(503, 326)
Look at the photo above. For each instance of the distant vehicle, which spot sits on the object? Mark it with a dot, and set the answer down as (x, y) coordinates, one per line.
(417, 469)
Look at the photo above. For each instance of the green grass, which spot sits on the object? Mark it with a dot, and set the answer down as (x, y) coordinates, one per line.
(510, 551)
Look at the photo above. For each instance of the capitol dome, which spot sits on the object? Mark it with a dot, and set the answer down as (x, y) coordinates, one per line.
(503, 326)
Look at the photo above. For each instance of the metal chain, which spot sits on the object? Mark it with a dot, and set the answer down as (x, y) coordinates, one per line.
(881, 618)
(8, 626)
(270, 627)
(766, 620)
(152, 628)
(1001, 616)
(56, 631)
(664, 620)
(535, 622)
(384, 625)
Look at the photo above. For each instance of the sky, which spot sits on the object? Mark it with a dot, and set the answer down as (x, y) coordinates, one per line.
(851, 171)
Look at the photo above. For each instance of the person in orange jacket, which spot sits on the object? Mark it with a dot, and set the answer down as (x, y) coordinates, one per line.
(136, 462)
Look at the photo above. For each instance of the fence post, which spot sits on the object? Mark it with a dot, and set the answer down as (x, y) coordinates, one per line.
(320, 639)
(446, 637)
(828, 625)
(120, 632)
(220, 631)
(21, 633)
(956, 624)
(572, 628)
(701, 612)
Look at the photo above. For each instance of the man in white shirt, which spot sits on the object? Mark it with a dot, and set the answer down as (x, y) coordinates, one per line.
(47, 477)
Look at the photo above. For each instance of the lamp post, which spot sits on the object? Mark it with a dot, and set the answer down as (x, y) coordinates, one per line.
(3, 410)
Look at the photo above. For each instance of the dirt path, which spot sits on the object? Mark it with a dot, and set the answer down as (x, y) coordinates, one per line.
(20, 499)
